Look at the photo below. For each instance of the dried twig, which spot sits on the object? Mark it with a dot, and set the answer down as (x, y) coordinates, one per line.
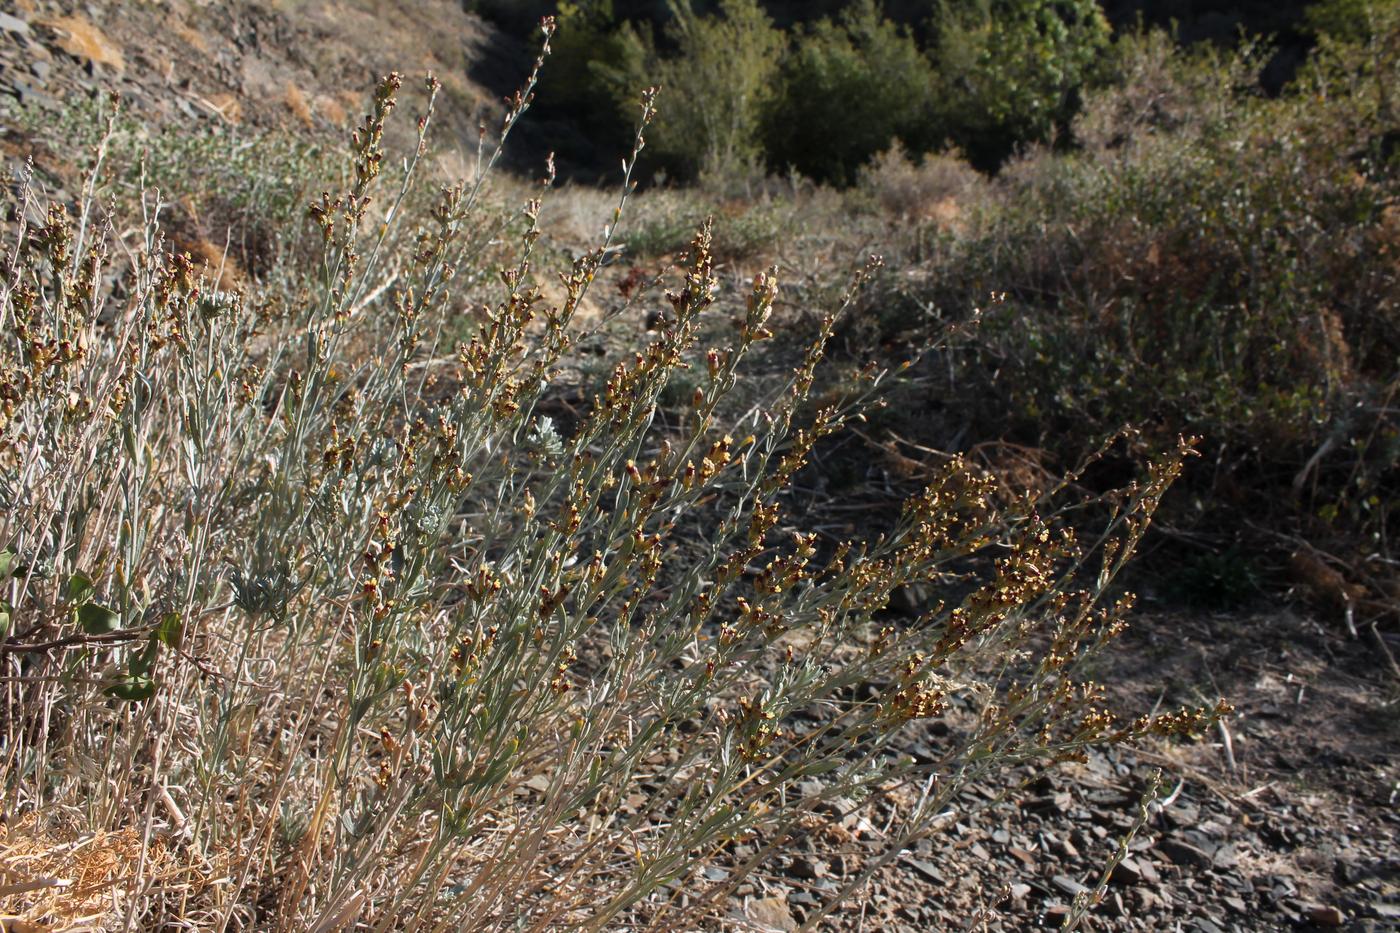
(1385, 650)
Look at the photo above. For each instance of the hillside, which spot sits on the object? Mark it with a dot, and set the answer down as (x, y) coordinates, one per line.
(300, 66)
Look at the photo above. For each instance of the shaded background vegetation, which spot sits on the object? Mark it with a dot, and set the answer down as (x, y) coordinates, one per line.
(1185, 211)
(939, 53)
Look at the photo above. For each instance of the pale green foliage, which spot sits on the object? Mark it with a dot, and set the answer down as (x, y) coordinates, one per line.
(714, 90)
(1352, 20)
(1010, 70)
(850, 89)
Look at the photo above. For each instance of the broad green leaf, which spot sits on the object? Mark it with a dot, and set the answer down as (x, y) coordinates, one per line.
(141, 664)
(170, 630)
(79, 588)
(97, 620)
(7, 562)
(133, 689)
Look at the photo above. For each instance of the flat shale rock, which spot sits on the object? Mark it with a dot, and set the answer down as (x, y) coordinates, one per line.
(13, 24)
(1069, 886)
(1126, 872)
(771, 914)
(1185, 854)
(1326, 916)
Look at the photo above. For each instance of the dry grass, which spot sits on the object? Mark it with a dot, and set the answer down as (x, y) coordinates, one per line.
(296, 103)
(57, 877)
(332, 109)
(226, 106)
(81, 39)
(190, 36)
(215, 263)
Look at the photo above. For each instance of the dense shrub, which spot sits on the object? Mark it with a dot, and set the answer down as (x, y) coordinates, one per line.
(1213, 261)
(1010, 72)
(716, 86)
(739, 93)
(1352, 21)
(850, 88)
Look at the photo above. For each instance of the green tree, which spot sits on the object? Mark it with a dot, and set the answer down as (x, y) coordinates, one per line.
(1010, 71)
(716, 86)
(1356, 68)
(572, 93)
(849, 90)
(1358, 21)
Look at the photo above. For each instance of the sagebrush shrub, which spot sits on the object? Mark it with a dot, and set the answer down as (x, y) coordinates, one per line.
(320, 623)
(934, 187)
